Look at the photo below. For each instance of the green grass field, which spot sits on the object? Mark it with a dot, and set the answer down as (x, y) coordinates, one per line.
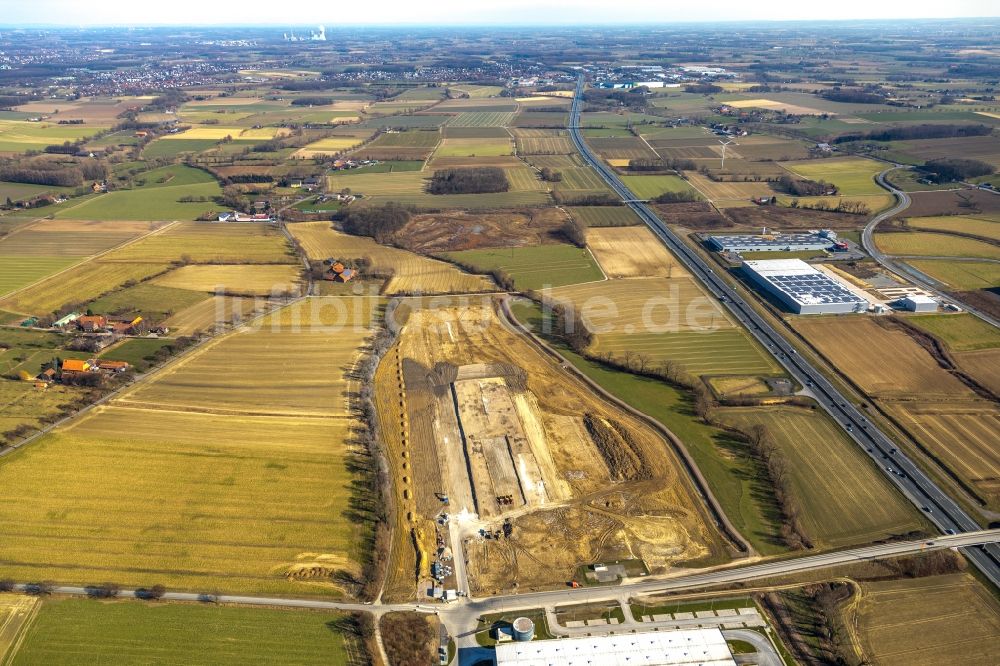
(930, 244)
(734, 480)
(79, 631)
(17, 272)
(408, 139)
(650, 187)
(173, 148)
(960, 275)
(536, 267)
(985, 227)
(961, 332)
(20, 136)
(151, 301)
(203, 242)
(819, 457)
(155, 200)
(852, 175)
(474, 148)
(135, 351)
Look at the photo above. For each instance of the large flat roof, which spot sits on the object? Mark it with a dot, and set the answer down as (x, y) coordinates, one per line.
(801, 282)
(684, 647)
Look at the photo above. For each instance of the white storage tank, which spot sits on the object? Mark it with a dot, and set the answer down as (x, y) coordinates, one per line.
(524, 629)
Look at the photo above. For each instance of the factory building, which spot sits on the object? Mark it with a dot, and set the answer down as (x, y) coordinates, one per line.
(919, 303)
(685, 647)
(802, 288)
(824, 239)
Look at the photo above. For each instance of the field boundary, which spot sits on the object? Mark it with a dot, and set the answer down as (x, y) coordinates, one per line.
(698, 480)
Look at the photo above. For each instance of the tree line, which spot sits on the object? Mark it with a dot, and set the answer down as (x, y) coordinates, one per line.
(911, 132)
(478, 180)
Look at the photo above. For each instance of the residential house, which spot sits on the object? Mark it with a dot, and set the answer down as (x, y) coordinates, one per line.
(92, 323)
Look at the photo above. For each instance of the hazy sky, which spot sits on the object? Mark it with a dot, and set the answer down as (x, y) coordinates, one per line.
(452, 12)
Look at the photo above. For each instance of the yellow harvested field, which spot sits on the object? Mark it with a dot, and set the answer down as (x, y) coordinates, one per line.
(949, 619)
(961, 434)
(727, 190)
(329, 146)
(79, 284)
(206, 132)
(212, 315)
(234, 279)
(412, 273)
(618, 162)
(771, 104)
(625, 252)
(884, 362)
(238, 475)
(983, 365)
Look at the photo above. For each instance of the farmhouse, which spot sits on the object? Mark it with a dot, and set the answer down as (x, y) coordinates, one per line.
(697, 647)
(92, 323)
(111, 366)
(75, 365)
(802, 288)
(338, 273)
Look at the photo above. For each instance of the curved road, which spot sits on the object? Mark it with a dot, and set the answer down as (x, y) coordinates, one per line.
(939, 507)
(901, 269)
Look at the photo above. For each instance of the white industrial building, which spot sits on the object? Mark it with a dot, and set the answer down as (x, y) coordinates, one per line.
(684, 647)
(822, 239)
(919, 303)
(802, 288)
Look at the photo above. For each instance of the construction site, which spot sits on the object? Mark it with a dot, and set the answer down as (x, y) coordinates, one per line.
(514, 474)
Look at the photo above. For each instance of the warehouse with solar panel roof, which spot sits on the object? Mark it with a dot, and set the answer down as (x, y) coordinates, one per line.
(802, 288)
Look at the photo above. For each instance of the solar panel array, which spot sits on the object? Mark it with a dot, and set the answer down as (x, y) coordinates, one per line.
(812, 288)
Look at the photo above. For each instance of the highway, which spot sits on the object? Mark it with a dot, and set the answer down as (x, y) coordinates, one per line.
(939, 508)
(902, 269)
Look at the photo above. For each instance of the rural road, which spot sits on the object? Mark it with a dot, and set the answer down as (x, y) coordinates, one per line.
(462, 617)
(901, 269)
(936, 505)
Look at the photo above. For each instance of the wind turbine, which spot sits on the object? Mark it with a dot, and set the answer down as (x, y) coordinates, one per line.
(725, 142)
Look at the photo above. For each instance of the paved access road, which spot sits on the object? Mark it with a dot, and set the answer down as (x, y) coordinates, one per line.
(901, 269)
(941, 509)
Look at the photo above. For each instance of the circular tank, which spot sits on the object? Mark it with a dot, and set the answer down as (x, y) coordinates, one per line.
(524, 629)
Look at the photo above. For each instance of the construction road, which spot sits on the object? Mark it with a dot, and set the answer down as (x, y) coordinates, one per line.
(924, 493)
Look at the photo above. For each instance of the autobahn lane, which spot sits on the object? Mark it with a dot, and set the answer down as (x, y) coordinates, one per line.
(939, 508)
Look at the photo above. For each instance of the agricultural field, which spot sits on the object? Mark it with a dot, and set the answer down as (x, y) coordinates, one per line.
(983, 365)
(930, 244)
(331, 145)
(632, 252)
(17, 611)
(622, 147)
(524, 179)
(461, 230)
(960, 275)
(411, 273)
(604, 216)
(210, 242)
(259, 280)
(272, 450)
(481, 119)
(409, 145)
(148, 299)
(36, 250)
(79, 631)
(544, 145)
(961, 332)
(211, 315)
(474, 148)
(853, 176)
(85, 282)
(728, 190)
(984, 227)
(21, 404)
(160, 198)
(928, 621)
(535, 267)
(579, 180)
(650, 187)
(883, 361)
(962, 435)
(972, 147)
(819, 457)
(20, 136)
(658, 523)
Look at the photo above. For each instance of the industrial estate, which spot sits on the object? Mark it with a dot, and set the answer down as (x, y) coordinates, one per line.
(665, 345)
